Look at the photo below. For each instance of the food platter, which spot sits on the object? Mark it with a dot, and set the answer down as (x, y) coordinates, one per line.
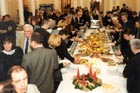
(94, 52)
(109, 88)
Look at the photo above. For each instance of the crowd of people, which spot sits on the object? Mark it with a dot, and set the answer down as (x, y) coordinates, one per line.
(30, 63)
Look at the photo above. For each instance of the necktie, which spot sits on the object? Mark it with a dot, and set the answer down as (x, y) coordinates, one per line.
(26, 46)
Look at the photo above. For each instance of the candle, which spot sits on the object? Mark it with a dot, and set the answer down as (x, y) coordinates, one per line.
(90, 72)
(94, 76)
(83, 79)
(78, 74)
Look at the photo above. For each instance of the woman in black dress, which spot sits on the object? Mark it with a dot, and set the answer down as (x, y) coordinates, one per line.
(9, 56)
(55, 41)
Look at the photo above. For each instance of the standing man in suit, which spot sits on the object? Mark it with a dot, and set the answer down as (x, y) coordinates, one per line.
(62, 49)
(126, 51)
(40, 64)
(107, 19)
(45, 25)
(137, 29)
(125, 25)
(10, 26)
(125, 22)
(132, 69)
(24, 41)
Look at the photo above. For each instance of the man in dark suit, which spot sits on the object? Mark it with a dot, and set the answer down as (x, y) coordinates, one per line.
(24, 40)
(125, 22)
(132, 69)
(43, 31)
(10, 26)
(126, 50)
(62, 49)
(137, 29)
(107, 19)
(40, 64)
(125, 25)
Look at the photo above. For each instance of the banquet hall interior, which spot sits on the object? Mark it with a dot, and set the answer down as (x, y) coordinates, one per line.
(69, 46)
(103, 5)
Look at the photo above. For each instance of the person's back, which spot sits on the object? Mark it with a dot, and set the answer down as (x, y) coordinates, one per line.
(132, 69)
(40, 68)
(43, 31)
(45, 36)
(40, 64)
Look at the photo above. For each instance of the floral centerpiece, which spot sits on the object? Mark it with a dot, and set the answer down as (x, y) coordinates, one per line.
(86, 82)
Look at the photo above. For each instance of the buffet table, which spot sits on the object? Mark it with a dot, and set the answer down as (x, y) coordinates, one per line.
(110, 75)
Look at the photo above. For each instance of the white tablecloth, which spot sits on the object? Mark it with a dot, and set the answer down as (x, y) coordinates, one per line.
(108, 74)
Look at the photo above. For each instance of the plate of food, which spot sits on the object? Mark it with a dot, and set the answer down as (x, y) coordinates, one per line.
(111, 63)
(109, 88)
(83, 61)
(105, 59)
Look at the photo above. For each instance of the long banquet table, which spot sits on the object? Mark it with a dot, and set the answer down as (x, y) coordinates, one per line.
(108, 74)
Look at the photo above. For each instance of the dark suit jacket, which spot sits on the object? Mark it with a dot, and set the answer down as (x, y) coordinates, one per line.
(95, 16)
(78, 23)
(107, 21)
(45, 35)
(128, 24)
(63, 52)
(40, 65)
(74, 22)
(126, 52)
(124, 46)
(2, 74)
(137, 32)
(132, 73)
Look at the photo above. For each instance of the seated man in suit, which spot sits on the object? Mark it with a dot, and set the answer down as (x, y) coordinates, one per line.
(132, 69)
